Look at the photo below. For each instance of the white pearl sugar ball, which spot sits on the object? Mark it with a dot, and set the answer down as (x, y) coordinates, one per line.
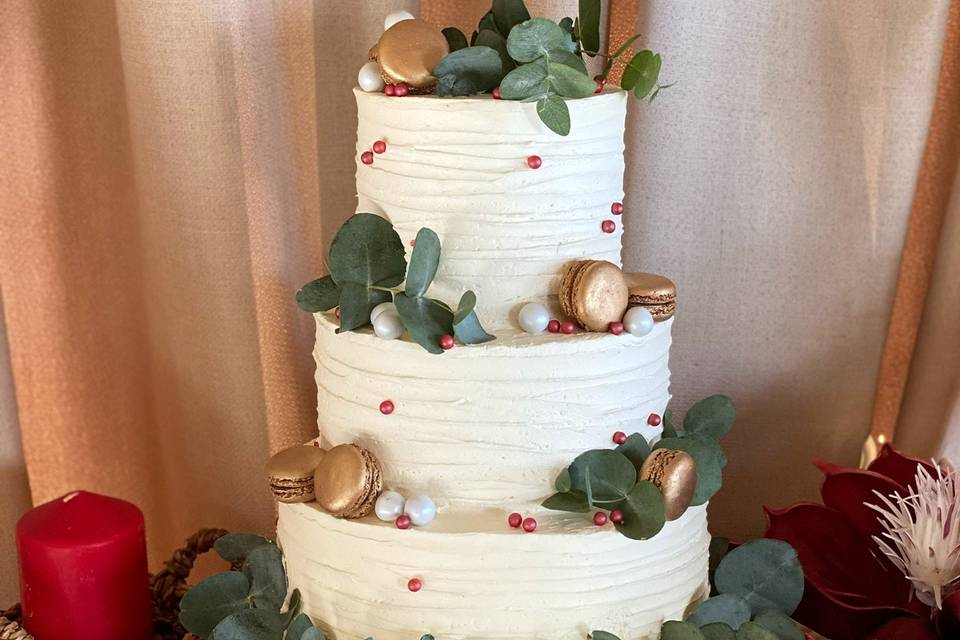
(638, 321)
(369, 78)
(388, 326)
(396, 16)
(534, 317)
(389, 506)
(421, 510)
(380, 308)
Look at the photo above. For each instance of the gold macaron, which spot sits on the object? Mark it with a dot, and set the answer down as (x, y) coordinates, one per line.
(290, 473)
(675, 474)
(408, 51)
(593, 293)
(348, 481)
(655, 292)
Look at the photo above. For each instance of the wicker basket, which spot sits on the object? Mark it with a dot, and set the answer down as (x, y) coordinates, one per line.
(166, 589)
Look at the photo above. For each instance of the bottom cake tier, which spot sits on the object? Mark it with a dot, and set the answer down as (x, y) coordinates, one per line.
(481, 579)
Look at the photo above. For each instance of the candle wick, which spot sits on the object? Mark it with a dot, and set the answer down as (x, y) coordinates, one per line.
(70, 496)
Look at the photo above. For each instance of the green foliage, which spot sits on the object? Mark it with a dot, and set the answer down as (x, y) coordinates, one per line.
(676, 630)
(712, 417)
(423, 263)
(356, 303)
(604, 475)
(753, 631)
(535, 39)
(571, 501)
(589, 23)
(636, 448)
(321, 294)
(526, 81)
(643, 511)
(554, 113)
(466, 324)
(780, 625)
(492, 39)
(718, 631)
(509, 13)
(563, 482)
(719, 547)
(766, 573)
(246, 604)
(425, 319)
(709, 459)
(727, 608)
(455, 38)
(603, 635)
(468, 71)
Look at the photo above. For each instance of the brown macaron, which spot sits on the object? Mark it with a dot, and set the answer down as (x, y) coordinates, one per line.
(290, 473)
(593, 293)
(675, 474)
(348, 481)
(408, 51)
(655, 292)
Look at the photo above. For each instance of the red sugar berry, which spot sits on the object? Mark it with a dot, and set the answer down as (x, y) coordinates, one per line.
(366, 157)
(386, 407)
(446, 342)
(529, 525)
(401, 89)
(515, 520)
(608, 226)
(568, 327)
(496, 93)
(336, 312)
(390, 89)
(619, 437)
(616, 516)
(553, 326)
(616, 328)
(599, 518)
(379, 146)
(534, 162)
(653, 420)
(402, 522)
(599, 86)
(616, 208)
(414, 584)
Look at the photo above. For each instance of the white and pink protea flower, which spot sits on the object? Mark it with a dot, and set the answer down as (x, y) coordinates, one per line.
(921, 533)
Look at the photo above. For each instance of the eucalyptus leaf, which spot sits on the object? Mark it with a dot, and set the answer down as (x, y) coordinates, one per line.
(636, 448)
(215, 598)
(425, 319)
(423, 262)
(488, 22)
(492, 39)
(234, 547)
(468, 71)
(753, 631)
(535, 38)
(709, 458)
(718, 631)
(426, 636)
(641, 73)
(250, 624)
(455, 38)
(356, 303)
(562, 483)
(605, 475)
(298, 626)
(569, 82)
(321, 294)
(268, 580)
(367, 251)
(728, 608)
(589, 19)
(634, 69)
(669, 425)
(554, 113)
(567, 25)
(571, 60)
(468, 301)
(571, 501)
(780, 624)
(766, 573)
(525, 81)
(509, 13)
(470, 331)
(603, 635)
(313, 634)
(293, 608)
(719, 547)
(711, 417)
(643, 512)
(677, 630)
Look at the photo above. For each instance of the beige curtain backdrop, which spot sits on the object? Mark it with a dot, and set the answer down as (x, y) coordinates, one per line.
(173, 171)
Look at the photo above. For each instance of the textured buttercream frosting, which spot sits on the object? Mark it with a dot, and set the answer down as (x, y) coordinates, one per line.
(458, 166)
(482, 579)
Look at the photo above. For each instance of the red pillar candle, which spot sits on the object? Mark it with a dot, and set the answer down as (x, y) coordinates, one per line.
(83, 570)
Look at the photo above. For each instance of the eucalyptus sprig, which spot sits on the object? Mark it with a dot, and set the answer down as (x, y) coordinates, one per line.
(246, 604)
(608, 478)
(368, 265)
(539, 60)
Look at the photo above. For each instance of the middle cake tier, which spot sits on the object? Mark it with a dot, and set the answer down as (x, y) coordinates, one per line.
(487, 427)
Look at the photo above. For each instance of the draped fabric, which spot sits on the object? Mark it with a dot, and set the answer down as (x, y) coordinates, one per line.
(173, 171)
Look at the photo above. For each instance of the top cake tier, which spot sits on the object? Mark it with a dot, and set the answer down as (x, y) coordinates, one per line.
(460, 166)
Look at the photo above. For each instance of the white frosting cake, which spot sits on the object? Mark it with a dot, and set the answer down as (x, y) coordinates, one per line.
(485, 429)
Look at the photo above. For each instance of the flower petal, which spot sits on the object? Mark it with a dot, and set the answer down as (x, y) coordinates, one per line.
(904, 628)
(836, 557)
(847, 490)
(898, 467)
